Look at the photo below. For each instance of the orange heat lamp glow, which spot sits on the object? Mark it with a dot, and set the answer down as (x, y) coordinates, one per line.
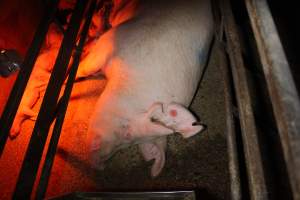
(79, 112)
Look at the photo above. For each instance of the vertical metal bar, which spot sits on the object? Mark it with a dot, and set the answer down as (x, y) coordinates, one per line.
(16, 94)
(281, 87)
(62, 108)
(231, 134)
(255, 172)
(40, 132)
(233, 161)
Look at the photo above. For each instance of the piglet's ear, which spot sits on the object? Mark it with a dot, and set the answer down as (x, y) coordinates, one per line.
(178, 118)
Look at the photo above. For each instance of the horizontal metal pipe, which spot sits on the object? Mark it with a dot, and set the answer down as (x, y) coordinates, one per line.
(130, 195)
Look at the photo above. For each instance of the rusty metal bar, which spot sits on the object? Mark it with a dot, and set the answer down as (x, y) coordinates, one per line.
(231, 134)
(16, 94)
(37, 141)
(281, 87)
(232, 147)
(62, 108)
(255, 172)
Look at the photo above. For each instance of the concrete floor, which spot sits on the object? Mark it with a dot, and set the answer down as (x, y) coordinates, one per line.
(197, 163)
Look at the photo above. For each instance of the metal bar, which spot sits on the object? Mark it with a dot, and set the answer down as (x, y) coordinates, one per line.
(281, 87)
(130, 195)
(63, 104)
(233, 161)
(255, 172)
(231, 135)
(40, 132)
(16, 94)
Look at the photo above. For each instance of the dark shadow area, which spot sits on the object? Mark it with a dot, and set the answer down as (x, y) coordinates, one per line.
(286, 17)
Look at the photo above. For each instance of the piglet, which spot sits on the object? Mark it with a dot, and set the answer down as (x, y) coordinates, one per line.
(153, 62)
(38, 80)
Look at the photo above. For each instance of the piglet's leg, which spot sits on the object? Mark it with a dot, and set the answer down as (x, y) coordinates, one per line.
(25, 111)
(155, 150)
(20, 117)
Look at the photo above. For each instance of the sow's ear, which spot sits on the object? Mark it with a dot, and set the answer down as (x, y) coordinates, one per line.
(176, 117)
(153, 124)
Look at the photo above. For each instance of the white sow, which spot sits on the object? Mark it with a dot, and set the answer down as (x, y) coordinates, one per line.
(153, 64)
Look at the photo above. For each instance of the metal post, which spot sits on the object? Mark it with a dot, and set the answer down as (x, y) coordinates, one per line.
(281, 87)
(16, 94)
(253, 158)
(40, 132)
(62, 108)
